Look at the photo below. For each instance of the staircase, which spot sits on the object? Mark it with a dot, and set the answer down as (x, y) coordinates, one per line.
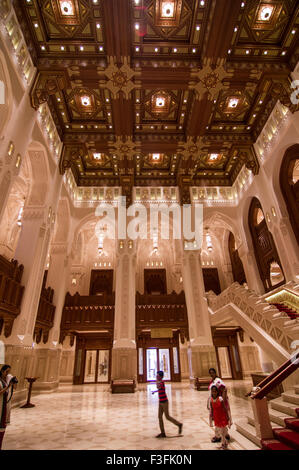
(270, 328)
(284, 416)
(292, 314)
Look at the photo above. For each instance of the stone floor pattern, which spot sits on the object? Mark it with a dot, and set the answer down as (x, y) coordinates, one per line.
(90, 417)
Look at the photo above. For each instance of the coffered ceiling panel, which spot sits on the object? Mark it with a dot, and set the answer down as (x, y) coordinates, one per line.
(154, 92)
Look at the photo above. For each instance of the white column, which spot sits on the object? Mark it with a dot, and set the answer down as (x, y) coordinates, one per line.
(49, 354)
(124, 352)
(202, 353)
(252, 274)
(19, 132)
(31, 252)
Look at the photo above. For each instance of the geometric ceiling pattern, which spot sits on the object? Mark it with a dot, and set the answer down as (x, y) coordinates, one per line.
(160, 93)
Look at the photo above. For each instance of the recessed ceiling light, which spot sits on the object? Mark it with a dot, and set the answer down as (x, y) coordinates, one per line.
(62, 48)
(137, 2)
(110, 127)
(242, 4)
(283, 53)
(107, 100)
(137, 49)
(229, 51)
(202, 3)
(197, 27)
(180, 127)
(98, 25)
(266, 13)
(137, 26)
(234, 128)
(265, 52)
(233, 103)
(67, 126)
(58, 99)
(248, 128)
(193, 50)
(152, 127)
(137, 100)
(156, 49)
(207, 127)
(185, 101)
(81, 48)
(43, 48)
(36, 25)
(175, 49)
(294, 31)
(261, 101)
(137, 127)
(82, 127)
(247, 52)
(236, 29)
(254, 115)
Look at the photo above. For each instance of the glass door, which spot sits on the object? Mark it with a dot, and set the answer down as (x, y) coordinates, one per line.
(96, 366)
(103, 365)
(90, 366)
(164, 363)
(224, 362)
(151, 364)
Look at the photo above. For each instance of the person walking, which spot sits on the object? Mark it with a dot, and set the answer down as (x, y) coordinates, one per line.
(163, 406)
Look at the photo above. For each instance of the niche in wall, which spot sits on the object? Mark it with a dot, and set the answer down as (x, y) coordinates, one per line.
(266, 254)
(211, 280)
(101, 282)
(155, 282)
(236, 262)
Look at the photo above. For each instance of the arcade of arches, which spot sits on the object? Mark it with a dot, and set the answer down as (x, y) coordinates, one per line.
(89, 117)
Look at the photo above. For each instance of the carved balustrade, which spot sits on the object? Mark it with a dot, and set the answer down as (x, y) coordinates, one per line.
(11, 293)
(45, 315)
(162, 311)
(87, 313)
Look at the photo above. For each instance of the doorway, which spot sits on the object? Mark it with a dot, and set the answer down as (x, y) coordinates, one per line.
(96, 368)
(158, 354)
(225, 340)
(157, 359)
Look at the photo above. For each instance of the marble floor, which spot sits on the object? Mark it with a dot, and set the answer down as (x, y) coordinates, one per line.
(90, 417)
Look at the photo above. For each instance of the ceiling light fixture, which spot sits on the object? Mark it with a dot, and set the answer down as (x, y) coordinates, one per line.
(67, 8)
(167, 9)
(266, 13)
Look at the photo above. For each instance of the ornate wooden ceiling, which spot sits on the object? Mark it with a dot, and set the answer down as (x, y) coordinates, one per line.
(190, 82)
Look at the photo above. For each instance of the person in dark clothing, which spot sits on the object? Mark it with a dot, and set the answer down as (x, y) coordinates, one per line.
(163, 405)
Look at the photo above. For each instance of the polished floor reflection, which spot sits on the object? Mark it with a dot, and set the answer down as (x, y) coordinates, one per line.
(90, 417)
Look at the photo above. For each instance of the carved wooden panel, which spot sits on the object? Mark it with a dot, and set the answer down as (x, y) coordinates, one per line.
(290, 188)
(237, 265)
(155, 281)
(211, 280)
(264, 245)
(11, 293)
(101, 281)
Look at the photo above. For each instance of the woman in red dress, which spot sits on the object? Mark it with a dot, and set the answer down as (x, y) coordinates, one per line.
(219, 415)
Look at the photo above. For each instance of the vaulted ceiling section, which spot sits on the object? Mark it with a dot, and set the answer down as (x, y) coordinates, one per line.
(160, 93)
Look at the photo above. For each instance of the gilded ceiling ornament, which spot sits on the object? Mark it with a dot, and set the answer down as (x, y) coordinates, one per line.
(209, 80)
(120, 78)
(191, 148)
(124, 146)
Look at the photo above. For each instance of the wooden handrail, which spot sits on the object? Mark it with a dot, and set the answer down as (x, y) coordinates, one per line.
(278, 376)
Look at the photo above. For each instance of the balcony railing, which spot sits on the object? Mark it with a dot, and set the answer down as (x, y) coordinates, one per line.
(11, 293)
(87, 313)
(45, 315)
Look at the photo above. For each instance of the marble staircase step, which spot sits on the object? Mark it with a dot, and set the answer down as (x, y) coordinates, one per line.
(278, 417)
(291, 397)
(296, 388)
(247, 430)
(285, 407)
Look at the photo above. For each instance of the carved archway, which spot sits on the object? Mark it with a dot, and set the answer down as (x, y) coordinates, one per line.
(236, 262)
(264, 247)
(289, 183)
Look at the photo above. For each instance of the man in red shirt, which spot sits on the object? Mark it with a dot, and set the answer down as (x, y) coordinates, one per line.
(163, 405)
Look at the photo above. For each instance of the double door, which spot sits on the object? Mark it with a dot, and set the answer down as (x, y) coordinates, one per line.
(97, 365)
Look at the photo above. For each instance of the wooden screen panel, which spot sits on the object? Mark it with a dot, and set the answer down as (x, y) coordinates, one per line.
(211, 280)
(289, 188)
(101, 282)
(237, 265)
(264, 247)
(155, 281)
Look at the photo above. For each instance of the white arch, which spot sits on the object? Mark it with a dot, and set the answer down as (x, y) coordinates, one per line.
(6, 96)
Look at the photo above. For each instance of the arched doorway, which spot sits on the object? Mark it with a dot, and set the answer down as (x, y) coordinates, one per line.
(237, 265)
(266, 255)
(289, 183)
